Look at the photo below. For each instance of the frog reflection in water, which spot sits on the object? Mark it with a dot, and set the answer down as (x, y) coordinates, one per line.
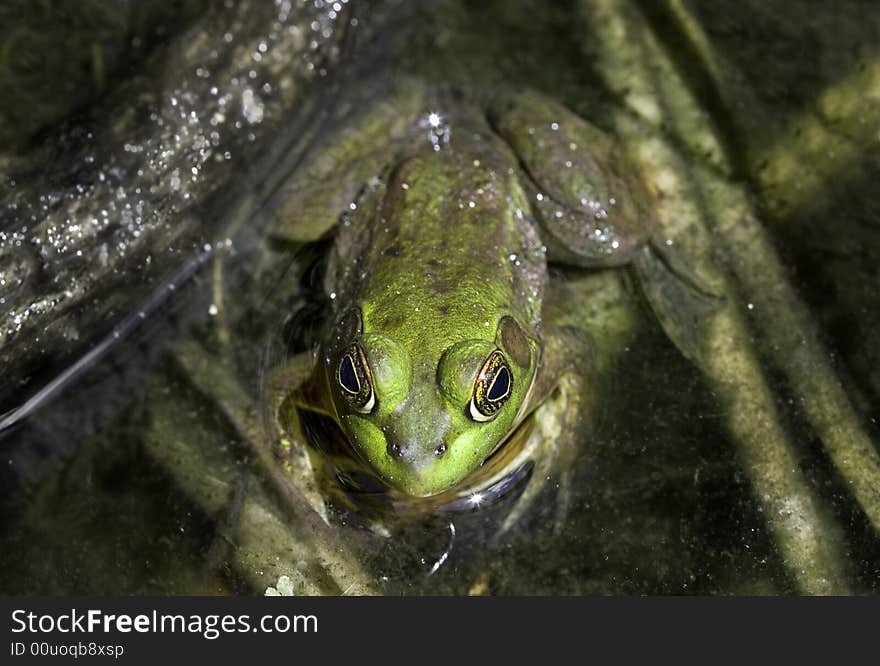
(436, 351)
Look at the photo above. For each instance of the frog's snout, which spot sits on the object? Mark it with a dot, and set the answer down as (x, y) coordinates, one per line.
(411, 464)
(415, 454)
(413, 460)
(397, 451)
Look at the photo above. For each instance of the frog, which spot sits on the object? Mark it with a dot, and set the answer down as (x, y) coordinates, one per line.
(659, 116)
(438, 358)
(582, 309)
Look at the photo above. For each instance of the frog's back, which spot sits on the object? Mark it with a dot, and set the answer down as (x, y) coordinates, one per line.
(446, 247)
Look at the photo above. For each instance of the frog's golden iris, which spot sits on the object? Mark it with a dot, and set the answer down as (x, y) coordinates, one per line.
(492, 388)
(353, 376)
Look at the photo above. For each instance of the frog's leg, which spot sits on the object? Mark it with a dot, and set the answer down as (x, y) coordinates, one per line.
(289, 388)
(552, 445)
(581, 345)
(580, 187)
(593, 209)
(678, 299)
(561, 391)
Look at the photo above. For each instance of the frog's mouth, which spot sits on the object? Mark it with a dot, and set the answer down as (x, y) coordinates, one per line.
(504, 473)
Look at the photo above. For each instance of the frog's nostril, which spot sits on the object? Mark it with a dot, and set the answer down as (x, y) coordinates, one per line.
(395, 450)
(440, 450)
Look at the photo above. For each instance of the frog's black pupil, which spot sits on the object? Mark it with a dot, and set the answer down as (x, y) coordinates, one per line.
(500, 386)
(347, 376)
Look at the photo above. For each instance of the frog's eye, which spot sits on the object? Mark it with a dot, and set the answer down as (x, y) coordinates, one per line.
(492, 389)
(354, 378)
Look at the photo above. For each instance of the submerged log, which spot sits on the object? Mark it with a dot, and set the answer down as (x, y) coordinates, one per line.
(163, 169)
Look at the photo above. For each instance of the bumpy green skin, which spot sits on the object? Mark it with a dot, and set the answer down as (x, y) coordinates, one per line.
(442, 263)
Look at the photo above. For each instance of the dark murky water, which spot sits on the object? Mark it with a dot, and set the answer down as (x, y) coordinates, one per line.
(99, 494)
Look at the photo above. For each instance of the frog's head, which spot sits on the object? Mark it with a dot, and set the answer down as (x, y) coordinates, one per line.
(425, 420)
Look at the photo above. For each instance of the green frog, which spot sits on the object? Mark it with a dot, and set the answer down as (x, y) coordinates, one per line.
(439, 354)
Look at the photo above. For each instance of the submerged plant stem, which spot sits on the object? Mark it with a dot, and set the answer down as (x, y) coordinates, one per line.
(695, 213)
(790, 330)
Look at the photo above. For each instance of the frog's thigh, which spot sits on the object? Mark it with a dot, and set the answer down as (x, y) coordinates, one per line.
(574, 240)
(590, 224)
(285, 384)
(291, 388)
